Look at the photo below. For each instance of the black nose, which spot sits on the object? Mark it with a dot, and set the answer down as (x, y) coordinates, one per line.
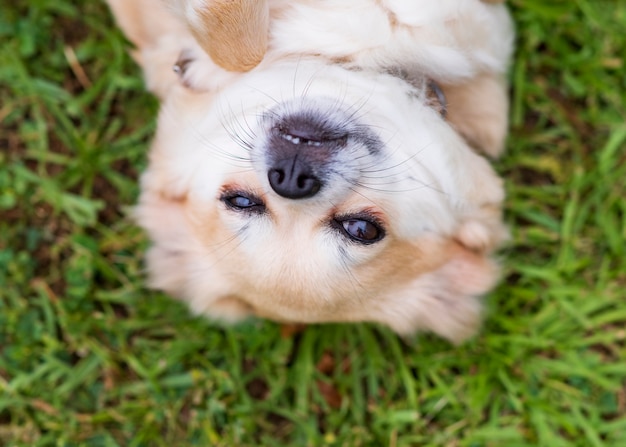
(300, 152)
(292, 178)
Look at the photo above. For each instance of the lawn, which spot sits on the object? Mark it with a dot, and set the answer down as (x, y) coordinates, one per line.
(90, 357)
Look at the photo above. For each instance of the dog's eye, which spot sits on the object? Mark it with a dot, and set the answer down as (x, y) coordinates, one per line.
(241, 202)
(361, 230)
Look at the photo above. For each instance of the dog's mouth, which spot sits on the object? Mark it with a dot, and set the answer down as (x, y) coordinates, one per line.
(437, 98)
(434, 93)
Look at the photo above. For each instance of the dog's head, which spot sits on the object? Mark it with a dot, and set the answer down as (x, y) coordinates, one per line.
(327, 183)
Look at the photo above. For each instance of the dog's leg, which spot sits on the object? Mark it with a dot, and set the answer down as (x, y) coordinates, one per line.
(234, 33)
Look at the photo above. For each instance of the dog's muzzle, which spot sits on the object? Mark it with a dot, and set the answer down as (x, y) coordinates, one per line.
(300, 148)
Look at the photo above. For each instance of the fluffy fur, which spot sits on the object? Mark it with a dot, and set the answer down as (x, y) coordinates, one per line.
(343, 85)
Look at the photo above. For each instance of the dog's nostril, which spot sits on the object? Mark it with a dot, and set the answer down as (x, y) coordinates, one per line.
(290, 179)
(276, 176)
(308, 185)
(302, 181)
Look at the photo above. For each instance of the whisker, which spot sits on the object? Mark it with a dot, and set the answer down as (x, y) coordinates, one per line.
(204, 141)
(231, 243)
(357, 287)
(265, 94)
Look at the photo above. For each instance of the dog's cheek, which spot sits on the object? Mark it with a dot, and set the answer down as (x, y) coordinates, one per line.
(447, 301)
(179, 262)
(163, 219)
(166, 269)
(173, 243)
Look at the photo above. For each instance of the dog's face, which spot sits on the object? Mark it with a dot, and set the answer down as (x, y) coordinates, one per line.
(310, 191)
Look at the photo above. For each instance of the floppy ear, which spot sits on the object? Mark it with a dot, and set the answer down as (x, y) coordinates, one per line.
(478, 109)
(234, 33)
(448, 299)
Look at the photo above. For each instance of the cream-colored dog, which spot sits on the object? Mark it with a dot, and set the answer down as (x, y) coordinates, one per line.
(321, 161)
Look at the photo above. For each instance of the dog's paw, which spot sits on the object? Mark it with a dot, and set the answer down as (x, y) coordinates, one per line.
(197, 71)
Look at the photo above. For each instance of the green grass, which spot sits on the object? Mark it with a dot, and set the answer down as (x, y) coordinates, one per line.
(89, 357)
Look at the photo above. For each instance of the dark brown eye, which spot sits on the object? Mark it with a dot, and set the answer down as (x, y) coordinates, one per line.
(361, 230)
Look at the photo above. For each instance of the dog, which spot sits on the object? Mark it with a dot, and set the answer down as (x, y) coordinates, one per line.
(325, 161)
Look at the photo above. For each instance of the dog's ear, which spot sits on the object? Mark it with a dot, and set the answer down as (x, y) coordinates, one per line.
(234, 33)
(163, 217)
(478, 109)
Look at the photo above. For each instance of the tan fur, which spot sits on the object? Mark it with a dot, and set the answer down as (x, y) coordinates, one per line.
(234, 33)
